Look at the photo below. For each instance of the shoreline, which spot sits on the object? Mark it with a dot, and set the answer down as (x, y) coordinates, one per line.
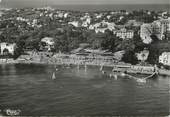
(162, 72)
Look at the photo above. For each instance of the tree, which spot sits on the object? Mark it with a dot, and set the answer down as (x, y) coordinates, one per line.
(130, 57)
(109, 41)
(153, 56)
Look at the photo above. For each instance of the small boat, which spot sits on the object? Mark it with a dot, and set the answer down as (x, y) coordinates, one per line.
(53, 76)
(101, 67)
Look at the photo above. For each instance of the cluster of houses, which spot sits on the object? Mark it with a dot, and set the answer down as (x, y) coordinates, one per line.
(98, 22)
(101, 27)
(142, 56)
(158, 28)
(47, 44)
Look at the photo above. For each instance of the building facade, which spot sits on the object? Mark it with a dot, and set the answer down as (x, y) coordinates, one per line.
(7, 48)
(124, 34)
(161, 28)
(143, 55)
(47, 43)
(164, 58)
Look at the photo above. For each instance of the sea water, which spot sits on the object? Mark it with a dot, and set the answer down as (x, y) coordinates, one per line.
(79, 91)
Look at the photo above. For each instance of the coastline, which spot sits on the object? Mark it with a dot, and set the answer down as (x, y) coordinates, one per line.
(129, 68)
(80, 60)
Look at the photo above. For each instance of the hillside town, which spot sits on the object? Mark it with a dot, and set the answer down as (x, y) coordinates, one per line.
(85, 58)
(43, 34)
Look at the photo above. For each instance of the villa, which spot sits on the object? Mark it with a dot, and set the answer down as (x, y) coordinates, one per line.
(164, 58)
(124, 33)
(159, 28)
(143, 55)
(47, 43)
(162, 27)
(7, 48)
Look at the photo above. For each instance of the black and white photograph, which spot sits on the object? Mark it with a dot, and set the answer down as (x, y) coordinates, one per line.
(85, 58)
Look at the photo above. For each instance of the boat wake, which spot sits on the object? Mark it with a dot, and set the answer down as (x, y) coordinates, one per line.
(142, 80)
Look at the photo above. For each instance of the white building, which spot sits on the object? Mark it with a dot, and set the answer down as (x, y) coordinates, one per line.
(143, 55)
(158, 28)
(124, 34)
(98, 16)
(102, 27)
(86, 22)
(110, 26)
(22, 19)
(7, 48)
(49, 43)
(94, 26)
(74, 23)
(48, 40)
(164, 14)
(100, 30)
(60, 14)
(164, 58)
(108, 16)
(161, 27)
(66, 15)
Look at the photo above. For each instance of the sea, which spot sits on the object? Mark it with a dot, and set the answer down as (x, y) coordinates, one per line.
(79, 92)
(97, 7)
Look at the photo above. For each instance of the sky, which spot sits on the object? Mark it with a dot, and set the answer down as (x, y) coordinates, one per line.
(64, 2)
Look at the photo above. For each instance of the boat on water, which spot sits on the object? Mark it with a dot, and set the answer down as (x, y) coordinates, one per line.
(53, 76)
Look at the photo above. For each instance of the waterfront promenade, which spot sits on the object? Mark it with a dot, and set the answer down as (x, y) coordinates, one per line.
(73, 59)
